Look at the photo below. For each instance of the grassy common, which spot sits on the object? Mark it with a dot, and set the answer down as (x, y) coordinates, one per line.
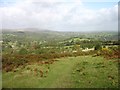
(68, 72)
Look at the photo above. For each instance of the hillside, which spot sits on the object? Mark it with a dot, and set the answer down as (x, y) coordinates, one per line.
(59, 59)
(73, 72)
(40, 34)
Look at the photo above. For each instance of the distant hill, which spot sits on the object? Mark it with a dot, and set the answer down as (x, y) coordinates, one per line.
(49, 35)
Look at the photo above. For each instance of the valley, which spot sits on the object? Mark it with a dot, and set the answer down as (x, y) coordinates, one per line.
(55, 59)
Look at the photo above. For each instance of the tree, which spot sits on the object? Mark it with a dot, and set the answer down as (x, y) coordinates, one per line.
(98, 47)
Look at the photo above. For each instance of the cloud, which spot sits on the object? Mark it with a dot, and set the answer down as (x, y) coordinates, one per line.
(58, 15)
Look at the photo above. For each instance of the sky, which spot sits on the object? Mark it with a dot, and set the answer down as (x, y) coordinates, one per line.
(60, 15)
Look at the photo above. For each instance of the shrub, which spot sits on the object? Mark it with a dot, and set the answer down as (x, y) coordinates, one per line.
(98, 47)
(23, 51)
(107, 52)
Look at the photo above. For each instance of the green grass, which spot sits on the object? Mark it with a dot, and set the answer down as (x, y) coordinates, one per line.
(0, 80)
(95, 72)
(72, 72)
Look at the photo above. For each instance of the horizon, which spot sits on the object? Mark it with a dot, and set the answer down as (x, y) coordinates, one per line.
(38, 29)
(56, 15)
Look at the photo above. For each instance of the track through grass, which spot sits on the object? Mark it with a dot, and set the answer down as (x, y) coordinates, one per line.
(71, 72)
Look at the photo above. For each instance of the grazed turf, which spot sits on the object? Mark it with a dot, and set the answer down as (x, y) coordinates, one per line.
(72, 72)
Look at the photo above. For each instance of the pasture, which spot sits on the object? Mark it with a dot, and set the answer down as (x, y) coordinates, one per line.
(69, 72)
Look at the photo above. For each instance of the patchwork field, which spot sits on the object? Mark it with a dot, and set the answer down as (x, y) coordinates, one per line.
(69, 72)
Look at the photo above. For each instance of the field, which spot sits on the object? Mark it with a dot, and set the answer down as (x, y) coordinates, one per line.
(68, 72)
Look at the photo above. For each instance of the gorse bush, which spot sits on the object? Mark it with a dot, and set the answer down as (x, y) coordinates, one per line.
(106, 51)
(110, 53)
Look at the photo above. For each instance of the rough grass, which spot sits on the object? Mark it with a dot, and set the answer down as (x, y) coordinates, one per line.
(0, 80)
(95, 72)
(72, 72)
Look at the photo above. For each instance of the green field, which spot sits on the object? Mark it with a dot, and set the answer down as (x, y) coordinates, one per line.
(71, 72)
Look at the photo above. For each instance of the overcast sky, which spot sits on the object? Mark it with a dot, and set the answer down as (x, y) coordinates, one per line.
(60, 15)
